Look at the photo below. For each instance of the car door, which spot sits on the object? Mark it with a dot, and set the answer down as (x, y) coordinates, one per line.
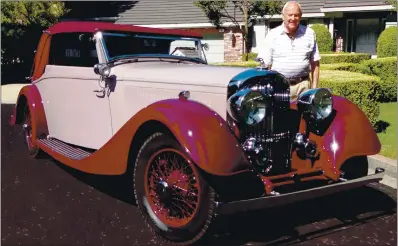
(77, 109)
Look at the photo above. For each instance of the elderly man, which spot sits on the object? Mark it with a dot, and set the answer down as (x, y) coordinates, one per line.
(291, 49)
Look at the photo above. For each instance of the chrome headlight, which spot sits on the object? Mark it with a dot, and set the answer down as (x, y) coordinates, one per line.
(247, 106)
(316, 103)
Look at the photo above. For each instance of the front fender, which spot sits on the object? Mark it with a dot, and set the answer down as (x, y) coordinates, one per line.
(349, 134)
(30, 95)
(203, 134)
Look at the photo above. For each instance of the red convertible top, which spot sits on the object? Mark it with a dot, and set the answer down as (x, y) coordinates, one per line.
(87, 26)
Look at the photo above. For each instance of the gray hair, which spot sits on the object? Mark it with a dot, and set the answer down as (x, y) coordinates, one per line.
(289, 2)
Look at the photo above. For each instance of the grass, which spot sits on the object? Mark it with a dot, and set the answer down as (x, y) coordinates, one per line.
(388, 137)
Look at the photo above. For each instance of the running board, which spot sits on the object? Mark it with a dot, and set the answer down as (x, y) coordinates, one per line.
(283, 199)
(64, 149)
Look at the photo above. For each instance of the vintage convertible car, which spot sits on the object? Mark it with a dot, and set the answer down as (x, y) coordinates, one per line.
(197, 140)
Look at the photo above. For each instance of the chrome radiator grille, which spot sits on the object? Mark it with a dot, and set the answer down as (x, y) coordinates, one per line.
(271, 129)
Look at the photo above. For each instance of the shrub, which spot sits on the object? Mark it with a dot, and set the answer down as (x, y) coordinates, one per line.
(349, 67)
(387, 43)
(344, 58)
(363, 90)
(386, 69)
(248, 64)
(252, 56)
(323, 38)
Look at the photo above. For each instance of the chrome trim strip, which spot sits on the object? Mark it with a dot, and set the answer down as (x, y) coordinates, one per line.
(283, 199)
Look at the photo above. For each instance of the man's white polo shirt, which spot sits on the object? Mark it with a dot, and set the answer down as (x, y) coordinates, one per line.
(290, 57)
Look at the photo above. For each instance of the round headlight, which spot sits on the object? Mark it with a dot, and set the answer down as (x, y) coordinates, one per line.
(316, 103)
(247, 106)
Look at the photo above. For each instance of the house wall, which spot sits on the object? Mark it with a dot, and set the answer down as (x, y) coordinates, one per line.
(233, 45)
(260, 30)
(360, 36)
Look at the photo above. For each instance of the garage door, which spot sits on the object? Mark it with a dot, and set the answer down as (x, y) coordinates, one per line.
(216, 47)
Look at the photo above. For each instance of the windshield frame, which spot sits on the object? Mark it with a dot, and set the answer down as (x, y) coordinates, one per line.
(100, 38)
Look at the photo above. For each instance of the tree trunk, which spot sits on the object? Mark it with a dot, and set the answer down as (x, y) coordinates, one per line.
(246, 31)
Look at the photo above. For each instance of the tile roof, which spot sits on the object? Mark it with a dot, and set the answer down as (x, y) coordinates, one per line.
(158, 12)
(154, 12)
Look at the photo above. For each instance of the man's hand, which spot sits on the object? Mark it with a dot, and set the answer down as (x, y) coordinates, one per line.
(315, 73)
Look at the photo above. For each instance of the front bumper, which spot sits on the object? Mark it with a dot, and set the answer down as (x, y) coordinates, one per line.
(283, 199)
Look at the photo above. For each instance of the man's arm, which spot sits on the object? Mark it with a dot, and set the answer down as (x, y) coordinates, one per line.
(315, 73)
(315, 64)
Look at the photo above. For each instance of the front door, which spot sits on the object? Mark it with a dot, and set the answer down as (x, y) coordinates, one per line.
(77, 111)
(367, 32)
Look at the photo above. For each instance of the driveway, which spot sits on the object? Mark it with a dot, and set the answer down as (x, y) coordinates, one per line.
(9, 93)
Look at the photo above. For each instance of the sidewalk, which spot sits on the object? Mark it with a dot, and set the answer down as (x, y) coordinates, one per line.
(390, 166)
(9, 93)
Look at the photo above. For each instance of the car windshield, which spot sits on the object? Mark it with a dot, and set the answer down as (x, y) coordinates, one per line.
(126, 45)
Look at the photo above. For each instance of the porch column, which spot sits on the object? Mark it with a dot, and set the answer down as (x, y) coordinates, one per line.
(331, 26)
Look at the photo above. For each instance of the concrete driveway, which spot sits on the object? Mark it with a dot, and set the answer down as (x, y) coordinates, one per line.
(9, 93)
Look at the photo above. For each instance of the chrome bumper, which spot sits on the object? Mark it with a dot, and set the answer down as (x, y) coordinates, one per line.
(282, 199)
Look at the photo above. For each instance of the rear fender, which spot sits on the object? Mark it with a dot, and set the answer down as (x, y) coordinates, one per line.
(349, 134)
(30, 95)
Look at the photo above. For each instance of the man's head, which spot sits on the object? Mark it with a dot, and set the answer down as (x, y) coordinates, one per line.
(291, 15)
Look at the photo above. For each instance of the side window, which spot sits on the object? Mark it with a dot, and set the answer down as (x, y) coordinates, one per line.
(73, 49)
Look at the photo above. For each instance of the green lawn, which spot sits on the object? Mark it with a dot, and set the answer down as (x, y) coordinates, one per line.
(388, 138)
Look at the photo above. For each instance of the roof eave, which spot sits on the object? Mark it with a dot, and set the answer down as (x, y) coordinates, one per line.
(191, 25)
(357, 9)
(305, 15)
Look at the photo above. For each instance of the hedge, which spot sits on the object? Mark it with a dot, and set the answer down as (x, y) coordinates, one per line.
(387, 43)
(386, 70)
(239, 64)
(330, 57)
(363, 90)
(349, 67)
(344, 58)
(323, 38)
(252, 56)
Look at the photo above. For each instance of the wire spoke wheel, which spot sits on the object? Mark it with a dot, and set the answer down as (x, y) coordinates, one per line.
(172, 187)
(172, 195)
(30, 134)
(27, 128)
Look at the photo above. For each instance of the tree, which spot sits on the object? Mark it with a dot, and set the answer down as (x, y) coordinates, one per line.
(22, 24)
(218, 12)
(394, 4)
(97, 9)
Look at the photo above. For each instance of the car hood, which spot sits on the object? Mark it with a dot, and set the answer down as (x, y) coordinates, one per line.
(177, 73)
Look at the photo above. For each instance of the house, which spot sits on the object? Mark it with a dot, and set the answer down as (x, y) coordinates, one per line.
(357, 22)
(183, 14)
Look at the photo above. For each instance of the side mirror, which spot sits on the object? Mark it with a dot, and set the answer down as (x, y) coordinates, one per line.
(262, 65)
(260, 60)
(102, 69)
(205, 46)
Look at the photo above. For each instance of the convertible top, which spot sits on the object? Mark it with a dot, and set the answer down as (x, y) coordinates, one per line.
(92, 26)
